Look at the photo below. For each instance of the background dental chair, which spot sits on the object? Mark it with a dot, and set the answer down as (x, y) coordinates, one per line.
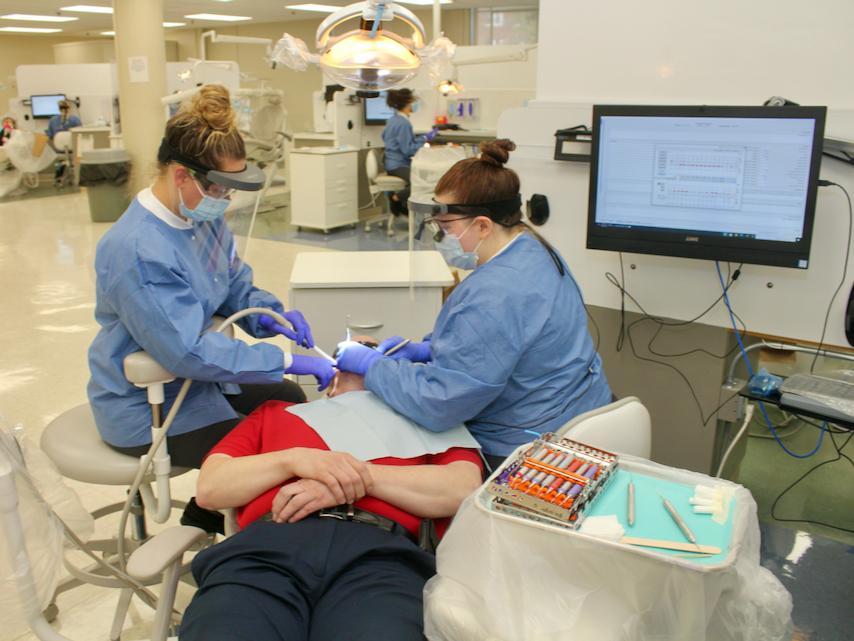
(380, 183)
(623, 427)
(63, 144)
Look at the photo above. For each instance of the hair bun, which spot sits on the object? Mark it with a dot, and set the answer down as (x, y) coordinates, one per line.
(213, 105)
(496, 152)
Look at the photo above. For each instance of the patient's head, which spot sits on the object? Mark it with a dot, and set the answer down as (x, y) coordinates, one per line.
(347, 381)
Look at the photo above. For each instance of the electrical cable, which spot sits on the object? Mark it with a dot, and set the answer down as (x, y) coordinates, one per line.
(748, 416)
(826, 183)
(665, 322)
(621, 333)
(839, 455)
(750, 373)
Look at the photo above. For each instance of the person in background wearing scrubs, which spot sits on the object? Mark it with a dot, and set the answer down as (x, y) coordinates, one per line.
(510, 354)
(401, 143)
(163, 270)
(61, 122)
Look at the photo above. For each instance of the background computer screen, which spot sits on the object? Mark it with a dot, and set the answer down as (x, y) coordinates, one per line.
(46, 106)
(377, 111)
(722, 183)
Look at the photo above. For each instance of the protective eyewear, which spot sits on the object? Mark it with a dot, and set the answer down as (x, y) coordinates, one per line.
(209, 188)
(497, 211)
(250, 178)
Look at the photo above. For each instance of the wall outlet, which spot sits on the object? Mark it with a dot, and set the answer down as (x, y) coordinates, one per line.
(732, 410)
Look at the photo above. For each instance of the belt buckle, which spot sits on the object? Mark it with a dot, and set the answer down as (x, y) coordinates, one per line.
(330, 513)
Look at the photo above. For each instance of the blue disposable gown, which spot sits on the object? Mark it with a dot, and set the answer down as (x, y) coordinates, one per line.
(511, 355)
(400, 142)
(157, 289)
(57, 124)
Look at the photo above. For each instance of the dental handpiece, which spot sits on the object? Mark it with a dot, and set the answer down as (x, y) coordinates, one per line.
(679, 521)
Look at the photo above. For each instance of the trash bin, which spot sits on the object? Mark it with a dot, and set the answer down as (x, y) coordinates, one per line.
(105, 173)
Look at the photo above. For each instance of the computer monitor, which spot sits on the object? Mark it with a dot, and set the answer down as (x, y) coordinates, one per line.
(719, 183)
(377, 110)
(45, 106)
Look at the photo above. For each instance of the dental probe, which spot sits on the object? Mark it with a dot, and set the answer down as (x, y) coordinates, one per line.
(397, 347)
(324, 354)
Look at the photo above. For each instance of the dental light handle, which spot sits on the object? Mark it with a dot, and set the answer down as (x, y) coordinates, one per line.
(149, 458)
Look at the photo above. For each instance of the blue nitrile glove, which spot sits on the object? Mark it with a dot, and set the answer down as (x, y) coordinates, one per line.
(357, 358)
(414, 352)
(431, 134)
(320, 368)
(300, 334)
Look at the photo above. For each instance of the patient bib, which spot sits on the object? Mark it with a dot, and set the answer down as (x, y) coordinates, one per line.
(361, 424)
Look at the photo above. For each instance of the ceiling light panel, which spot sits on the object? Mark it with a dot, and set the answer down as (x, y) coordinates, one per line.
(216, 17)
(29, 30)
(321, 8)
(36, 18)
(87, 8)
(174, 24)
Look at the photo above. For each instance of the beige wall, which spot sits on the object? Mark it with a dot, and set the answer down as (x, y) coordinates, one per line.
(22, 50)
(297, 85)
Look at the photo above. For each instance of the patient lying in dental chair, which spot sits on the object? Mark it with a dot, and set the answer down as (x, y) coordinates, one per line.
(331, 497)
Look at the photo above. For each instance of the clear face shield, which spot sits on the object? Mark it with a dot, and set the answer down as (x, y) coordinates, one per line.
(223, 218)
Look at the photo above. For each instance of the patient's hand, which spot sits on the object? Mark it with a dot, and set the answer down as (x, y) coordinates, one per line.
(347, 478)
(297, 500)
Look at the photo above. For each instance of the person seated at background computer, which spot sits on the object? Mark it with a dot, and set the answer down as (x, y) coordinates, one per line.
(63, 121)
(327, 548)
(401, 143)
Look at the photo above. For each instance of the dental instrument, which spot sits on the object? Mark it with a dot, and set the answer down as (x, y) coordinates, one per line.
(679, 521)
(397, 347)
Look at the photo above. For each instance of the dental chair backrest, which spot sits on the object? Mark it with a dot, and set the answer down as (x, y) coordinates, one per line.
(623, 426)
(62, 141)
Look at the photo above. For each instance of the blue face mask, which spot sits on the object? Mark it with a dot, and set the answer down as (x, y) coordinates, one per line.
(208, 209)
(416, 106)
(452, 251)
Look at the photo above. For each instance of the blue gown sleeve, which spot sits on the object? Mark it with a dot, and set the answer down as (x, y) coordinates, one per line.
(408, 141)
(243, 294)
(165, 317)
(473, 358)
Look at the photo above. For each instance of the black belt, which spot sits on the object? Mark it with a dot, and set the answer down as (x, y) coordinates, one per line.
(357, 515)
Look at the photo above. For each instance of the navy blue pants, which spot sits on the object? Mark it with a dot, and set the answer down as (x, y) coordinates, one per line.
(315, 580)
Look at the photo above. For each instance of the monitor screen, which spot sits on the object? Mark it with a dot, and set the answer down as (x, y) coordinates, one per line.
(377, 111)
(720, 183)
(46, 106)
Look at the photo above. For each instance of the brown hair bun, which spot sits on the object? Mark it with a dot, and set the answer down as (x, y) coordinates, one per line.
(496, 152)
(212, 104)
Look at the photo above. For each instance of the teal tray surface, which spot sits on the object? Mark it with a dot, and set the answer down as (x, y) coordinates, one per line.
(652, 521)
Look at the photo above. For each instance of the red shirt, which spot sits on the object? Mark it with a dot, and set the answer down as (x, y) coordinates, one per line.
(270, 428)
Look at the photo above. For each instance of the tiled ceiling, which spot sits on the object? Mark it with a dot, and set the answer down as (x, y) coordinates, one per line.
(91, 24)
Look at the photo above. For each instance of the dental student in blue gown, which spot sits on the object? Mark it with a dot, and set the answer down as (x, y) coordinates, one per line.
(510, 353)
(163, 270)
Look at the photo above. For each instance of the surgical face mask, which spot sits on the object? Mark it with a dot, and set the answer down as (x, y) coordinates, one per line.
(208, 209)
(416, 106)
(452, 250)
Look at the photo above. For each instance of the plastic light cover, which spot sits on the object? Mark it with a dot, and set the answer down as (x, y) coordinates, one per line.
(370, 64)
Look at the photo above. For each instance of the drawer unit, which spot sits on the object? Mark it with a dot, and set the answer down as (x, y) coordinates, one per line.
(324, 187)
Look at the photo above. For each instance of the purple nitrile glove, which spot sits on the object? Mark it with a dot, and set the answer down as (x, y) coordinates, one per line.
(357, 358)
(431, 134)
(301, 332)
(320, 368)
(414, 352)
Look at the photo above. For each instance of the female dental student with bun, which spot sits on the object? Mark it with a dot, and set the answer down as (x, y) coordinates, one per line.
(510, 354)
(163, 270)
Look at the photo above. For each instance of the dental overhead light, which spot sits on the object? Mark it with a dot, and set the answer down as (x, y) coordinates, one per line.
(448, 87)
(367, 58)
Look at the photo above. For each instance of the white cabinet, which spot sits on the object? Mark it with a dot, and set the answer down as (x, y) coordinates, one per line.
(368, 292)
(324, 187)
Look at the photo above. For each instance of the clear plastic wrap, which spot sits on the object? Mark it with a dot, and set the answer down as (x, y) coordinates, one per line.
(436, 58)
(293, 53)
(429, 164)
(20, 149)
(504, 578)
(39, 489)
